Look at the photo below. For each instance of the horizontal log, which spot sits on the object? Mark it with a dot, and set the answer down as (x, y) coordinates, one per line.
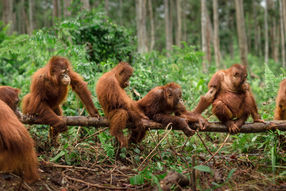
(213, 127)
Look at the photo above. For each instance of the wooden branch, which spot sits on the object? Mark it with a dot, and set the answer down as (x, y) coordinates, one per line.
(213, 127)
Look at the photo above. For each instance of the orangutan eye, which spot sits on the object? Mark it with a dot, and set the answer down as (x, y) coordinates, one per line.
(236, 74)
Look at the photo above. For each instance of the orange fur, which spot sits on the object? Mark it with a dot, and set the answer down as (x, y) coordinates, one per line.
(17, 152)
(280, 109)
(47, 93)
(117, 105)
(10, 96)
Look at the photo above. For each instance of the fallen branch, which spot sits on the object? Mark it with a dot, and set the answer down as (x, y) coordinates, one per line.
(213, 127)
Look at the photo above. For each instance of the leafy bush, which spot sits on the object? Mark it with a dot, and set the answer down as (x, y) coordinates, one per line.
(103, 39)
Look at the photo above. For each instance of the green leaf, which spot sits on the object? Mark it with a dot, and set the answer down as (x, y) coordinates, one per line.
(59, 155)
(137, 180)
(203, 168)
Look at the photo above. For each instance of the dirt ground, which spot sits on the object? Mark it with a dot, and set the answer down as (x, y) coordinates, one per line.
(116, 177)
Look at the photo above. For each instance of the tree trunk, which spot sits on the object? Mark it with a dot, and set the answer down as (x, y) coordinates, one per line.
(85, 5)
(67, 12)
(273, 31)
(120, 12)
(167, 27)
(210, 38)
(171, 21)
(256, 28)
(266, 48)
(179, 23)
(241, 31)
(204, 34)
(55, 10)
(141, 25)
(184, 21)
(7, 11)
(282, 33)
(259, 40)
(216, 34)
(106, 6)
(152, 25)
(284, 14)
(276, 41)
(31, 21)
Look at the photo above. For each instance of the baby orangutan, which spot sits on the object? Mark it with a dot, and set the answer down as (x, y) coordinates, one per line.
(163, 101)
(280, 109)
(118, 106)
(231, 98)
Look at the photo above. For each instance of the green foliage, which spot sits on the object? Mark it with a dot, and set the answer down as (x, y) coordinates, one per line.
(103, 39)
(105, 141)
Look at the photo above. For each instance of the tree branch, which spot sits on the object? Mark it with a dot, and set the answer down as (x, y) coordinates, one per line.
(213, 127)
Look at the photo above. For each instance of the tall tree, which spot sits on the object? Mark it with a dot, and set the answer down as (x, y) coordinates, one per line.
(179, 23)
(184, 20)
(284, 13)
(282, 33)
(241, 31)
(7, 12)
(167, 27)
(216, 34)
(31, 21)
(67, 12)
(56, 13)
(106, 6)
(85, 5)
(141, 25)
(204, 33)
(171, 5)
(152, 25)
(266, 53)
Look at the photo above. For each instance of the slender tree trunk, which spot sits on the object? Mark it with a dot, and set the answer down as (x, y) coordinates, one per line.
(167, 27)
(7, 11)
(204, 34)
(266, 53)
(282, 33)
(55, 10)
(210, 38)
(171, 21)
(284, 14)
(107, 6)
(184, 21)
(85, 5)
(276, 41)
(120, 12)
(273, 31)
(179, 23)
(256, 28)
(216, 34)
(141, 25)
(152, 25)
(31, 21)
(241, 32)
(67, 12)
(259, 40)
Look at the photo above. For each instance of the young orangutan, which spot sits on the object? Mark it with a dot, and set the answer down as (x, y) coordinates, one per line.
(118, 106)
(17, 153)
(280, 109)
(49, 89)
(10, 96)
(162, 101)
(231, 98)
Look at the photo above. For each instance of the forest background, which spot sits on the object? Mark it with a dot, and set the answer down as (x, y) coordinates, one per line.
(182, 41)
